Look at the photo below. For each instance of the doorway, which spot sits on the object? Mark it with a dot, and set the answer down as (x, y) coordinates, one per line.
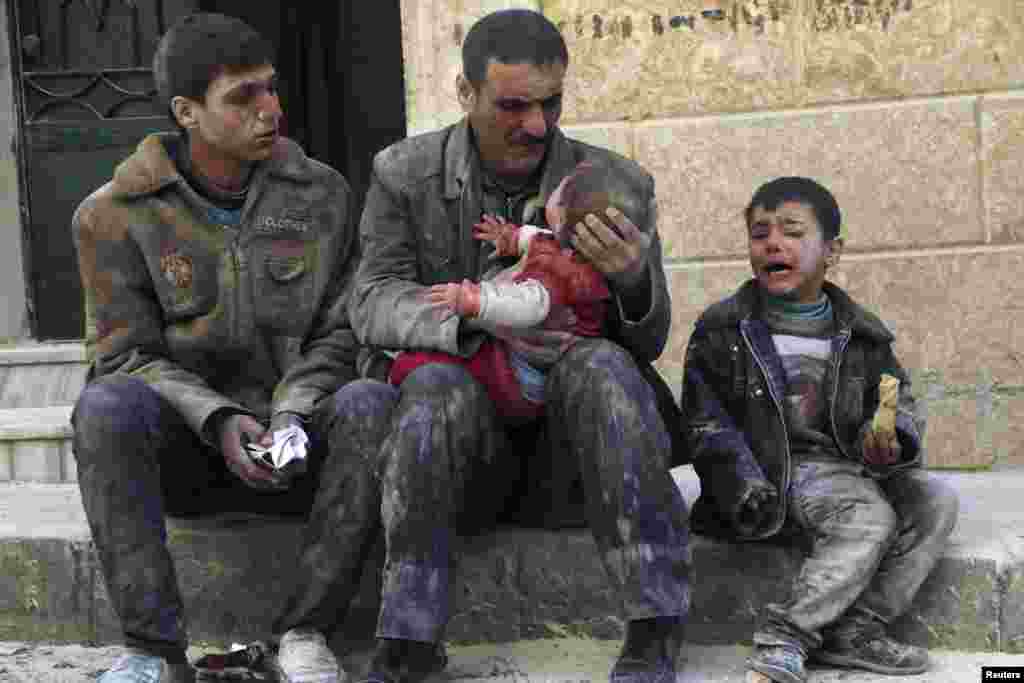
(85, 99)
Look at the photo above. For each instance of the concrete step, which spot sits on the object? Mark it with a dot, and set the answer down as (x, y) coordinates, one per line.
(39, 382)
(39, 375)
(35, 445)
(534, 661)
(513, 585)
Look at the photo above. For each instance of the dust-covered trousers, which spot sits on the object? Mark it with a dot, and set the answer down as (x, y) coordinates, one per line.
(449, 466)
(138, 461)
(426, 462)
(871, 544)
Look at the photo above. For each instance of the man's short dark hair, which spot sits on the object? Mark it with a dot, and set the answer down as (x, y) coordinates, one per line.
(796, 189)
(200, 47)
(511, 36)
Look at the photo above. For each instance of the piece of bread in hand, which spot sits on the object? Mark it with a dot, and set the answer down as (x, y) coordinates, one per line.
(884, 421)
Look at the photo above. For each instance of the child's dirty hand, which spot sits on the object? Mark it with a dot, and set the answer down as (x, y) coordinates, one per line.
(881, 448)
(463, 298)
(755, 504)
(499, 232)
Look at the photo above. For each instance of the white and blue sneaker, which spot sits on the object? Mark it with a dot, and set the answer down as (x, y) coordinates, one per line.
(303, 657)
(136, 666)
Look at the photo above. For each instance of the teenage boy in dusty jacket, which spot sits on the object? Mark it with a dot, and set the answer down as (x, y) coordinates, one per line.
(442, 463)
(781, 385)
(216, 266)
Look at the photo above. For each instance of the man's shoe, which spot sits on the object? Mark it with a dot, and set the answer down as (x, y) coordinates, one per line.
(404, 661)
(136, 666)
(876, 652)
(632, 670)
(303, 657)
(649, 651)
(779, 663)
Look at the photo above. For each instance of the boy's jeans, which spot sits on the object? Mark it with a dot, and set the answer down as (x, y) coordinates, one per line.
(872, 544)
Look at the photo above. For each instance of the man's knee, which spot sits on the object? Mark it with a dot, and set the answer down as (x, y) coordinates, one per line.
(115, 403)
(452, 384)
(365, 400)
(598, 356)
(598, 367)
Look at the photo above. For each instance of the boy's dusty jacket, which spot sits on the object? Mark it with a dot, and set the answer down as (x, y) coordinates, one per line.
(417, 230)
(733, 391)
(252, 318)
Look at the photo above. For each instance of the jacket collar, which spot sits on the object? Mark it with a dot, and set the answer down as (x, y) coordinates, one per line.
(746, 302)
(150, 168)
(461, 161)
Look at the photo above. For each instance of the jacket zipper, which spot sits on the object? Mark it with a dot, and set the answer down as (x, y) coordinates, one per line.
(844, 340)
(784, 493)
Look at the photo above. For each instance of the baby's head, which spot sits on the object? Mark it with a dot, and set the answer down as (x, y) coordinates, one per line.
(582, 192)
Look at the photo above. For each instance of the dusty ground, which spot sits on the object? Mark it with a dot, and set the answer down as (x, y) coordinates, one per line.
(550, 661)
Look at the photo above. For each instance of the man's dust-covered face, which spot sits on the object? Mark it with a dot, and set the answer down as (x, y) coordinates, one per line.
(240, 117)
(513, 114)
(788, 251)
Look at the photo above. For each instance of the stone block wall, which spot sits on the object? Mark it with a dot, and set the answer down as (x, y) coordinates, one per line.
(910, 111)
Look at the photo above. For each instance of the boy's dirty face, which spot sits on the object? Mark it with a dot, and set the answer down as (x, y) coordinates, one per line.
(241, 116)
(582, 192)
(788, 251)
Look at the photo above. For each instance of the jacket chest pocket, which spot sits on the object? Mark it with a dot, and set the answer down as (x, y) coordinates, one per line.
(187, 282)
(283, 284)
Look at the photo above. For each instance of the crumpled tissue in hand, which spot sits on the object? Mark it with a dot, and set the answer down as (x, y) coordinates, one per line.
(288, 450)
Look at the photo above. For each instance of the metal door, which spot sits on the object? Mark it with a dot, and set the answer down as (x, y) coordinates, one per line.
(85, 99)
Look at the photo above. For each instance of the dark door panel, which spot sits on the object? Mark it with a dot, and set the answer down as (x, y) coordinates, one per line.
(85, 95)
(85, 99)
(66, 162)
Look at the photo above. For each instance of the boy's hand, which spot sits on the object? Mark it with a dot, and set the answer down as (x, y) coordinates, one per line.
(235, 431)
(461, 298)
(755, 503)
(880, 448)
(622, 260)
(498, 232)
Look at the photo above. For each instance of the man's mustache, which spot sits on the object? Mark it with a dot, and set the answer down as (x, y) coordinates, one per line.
(527, 139)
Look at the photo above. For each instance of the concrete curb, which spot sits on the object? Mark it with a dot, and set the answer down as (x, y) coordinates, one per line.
(514, 584)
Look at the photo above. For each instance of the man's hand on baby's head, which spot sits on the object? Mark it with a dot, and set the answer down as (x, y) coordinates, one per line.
(619, 253)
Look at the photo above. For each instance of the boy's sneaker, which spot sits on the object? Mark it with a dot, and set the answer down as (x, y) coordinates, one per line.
(876, 652)
(303, 657)
(779, 663)
(136, 666)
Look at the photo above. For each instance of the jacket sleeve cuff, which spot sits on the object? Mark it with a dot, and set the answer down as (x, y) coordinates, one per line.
(210, 426)
(652, 308)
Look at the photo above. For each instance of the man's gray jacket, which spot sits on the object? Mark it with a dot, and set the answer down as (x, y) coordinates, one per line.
(425, 197)
(417, 230)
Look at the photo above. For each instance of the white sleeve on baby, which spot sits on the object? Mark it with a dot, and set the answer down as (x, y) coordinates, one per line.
(528, 232)
(514, 304)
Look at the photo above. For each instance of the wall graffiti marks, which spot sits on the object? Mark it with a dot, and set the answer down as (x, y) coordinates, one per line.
(845, 15)
(678, 21)
(737, 14)
(740, 15)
